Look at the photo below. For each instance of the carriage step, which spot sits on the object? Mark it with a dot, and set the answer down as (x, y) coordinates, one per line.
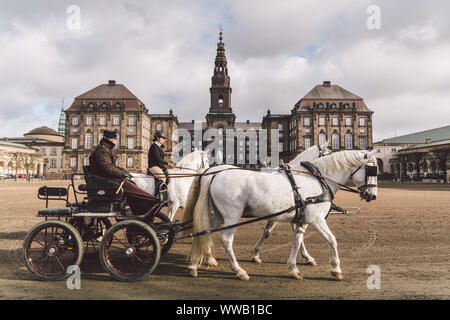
(96, 214)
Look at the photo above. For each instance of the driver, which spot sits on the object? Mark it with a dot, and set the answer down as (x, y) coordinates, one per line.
(156, 163)
(102, 162)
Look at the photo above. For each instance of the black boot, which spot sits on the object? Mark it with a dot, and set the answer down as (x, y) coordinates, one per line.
(158, 184)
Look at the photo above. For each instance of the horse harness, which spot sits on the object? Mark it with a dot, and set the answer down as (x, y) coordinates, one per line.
(300, 204)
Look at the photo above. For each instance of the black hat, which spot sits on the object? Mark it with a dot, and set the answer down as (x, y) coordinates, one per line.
(109, 134)
(159, 134)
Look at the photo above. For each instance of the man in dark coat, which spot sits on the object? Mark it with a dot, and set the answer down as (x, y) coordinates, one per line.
(102, 162)
(156, 163)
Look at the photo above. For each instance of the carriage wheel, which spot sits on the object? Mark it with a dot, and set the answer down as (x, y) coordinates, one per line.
(166, 234)
(91, 231)
(130, 250)
(50, 248)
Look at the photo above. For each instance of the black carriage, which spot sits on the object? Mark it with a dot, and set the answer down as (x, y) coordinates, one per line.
(129, 249)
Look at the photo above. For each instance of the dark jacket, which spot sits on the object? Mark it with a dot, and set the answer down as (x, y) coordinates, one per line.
(103, 161)
(156, 156)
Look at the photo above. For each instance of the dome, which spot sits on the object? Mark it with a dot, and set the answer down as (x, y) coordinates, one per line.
(42, 131)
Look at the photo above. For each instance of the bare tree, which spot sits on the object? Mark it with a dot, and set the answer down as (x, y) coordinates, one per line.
(29, 162)
(16, 162)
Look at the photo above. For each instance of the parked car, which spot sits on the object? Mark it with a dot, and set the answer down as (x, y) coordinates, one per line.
(21, 176)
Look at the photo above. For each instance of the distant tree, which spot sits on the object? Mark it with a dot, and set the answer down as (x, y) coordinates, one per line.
(29, 162)
(16, 161)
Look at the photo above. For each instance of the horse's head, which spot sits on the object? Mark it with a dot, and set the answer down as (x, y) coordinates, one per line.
(365, 177)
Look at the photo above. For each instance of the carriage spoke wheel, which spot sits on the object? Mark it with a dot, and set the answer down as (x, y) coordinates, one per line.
(130, 250)
(166, 234)
(91, 230)
(50, 248)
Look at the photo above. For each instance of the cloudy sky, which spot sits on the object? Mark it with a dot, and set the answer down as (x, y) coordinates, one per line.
(164, 51)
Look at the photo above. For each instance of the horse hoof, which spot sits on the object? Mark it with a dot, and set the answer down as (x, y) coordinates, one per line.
(193, 272)
(311, 262)
(296, 275)
(257, 260)
(243, 276)
(337, 275)
(212, 262)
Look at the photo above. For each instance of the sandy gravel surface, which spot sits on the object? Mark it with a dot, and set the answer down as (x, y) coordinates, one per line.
(405, 232)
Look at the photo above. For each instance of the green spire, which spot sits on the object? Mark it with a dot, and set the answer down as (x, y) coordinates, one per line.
(220, 45)
(62, 122)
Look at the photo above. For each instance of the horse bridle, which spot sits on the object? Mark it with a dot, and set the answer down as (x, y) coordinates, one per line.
(371, 171)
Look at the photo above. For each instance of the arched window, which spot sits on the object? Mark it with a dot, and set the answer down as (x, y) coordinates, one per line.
(130, 162)
(220, 101)
(118, 141)
(333, 106)
(322, 138)
(348, 141)
(88, 141)
(320, 105)
(335, 141)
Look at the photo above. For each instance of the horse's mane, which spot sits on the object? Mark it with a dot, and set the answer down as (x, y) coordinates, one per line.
(296, 161)
(187, 160)
(339, 161)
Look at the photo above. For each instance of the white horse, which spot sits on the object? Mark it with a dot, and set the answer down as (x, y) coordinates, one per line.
(309, 154)
(178, 188)
(238, 193)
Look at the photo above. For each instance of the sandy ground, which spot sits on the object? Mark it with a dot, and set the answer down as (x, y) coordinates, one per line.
(405, 232)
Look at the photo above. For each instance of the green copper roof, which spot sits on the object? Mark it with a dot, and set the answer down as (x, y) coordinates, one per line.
(437, 134)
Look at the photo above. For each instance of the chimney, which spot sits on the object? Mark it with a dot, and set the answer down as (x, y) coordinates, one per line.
(192, 121)
(111, 82)
(427, 141)
(248, 121)
(326, 83)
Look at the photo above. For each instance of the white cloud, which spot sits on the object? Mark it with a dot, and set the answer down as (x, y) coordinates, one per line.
(277, 51)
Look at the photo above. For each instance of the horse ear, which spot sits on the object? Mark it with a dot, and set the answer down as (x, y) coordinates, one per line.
(324, 145)
(369, 155)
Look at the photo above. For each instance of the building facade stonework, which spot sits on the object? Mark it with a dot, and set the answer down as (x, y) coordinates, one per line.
(110, 106)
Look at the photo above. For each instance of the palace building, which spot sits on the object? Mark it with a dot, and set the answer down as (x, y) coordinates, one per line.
(111, 106)
(327, 112)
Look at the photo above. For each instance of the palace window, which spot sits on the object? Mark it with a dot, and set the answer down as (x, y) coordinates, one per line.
(53, 152)
(118, 105)
(335, 121)
(322, 138)
(321, 121)
(131, 130)
(74, 129)
(220, 101)
(362, 122)
(75, 121)
(320, 105)
(307, 121)
(52, 163)
(348, 141)
(73, 162)
(88, 140)
(335, 141)
(74, 143)
(362, 143)
(91, 105)
(307, 143)
(42, 151)
(130, 162)
(346, 106)
(102, 121)
(280, 126)
(104, 105)
(131, 121)
(333, 106)
(280, 146)
(348, 121)
(116, 121)
(159, 127)
(89, 121)
(130, 143)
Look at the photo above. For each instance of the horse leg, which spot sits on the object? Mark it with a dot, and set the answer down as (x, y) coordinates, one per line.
(322, 227)
(309, 260)
(227, 241)
(257, 249)
(299, 232)
(172, 209)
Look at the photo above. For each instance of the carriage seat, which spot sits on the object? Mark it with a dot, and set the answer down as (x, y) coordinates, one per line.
(101, 192)
(57, 212)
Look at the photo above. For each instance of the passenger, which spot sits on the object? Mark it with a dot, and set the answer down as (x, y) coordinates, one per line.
(102, 162)
(157, 164)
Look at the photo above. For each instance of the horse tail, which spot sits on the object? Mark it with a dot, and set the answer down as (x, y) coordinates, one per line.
(188, 211)
(201, 246)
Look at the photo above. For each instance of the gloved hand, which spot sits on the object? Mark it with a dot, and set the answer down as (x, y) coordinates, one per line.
(128, 175)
